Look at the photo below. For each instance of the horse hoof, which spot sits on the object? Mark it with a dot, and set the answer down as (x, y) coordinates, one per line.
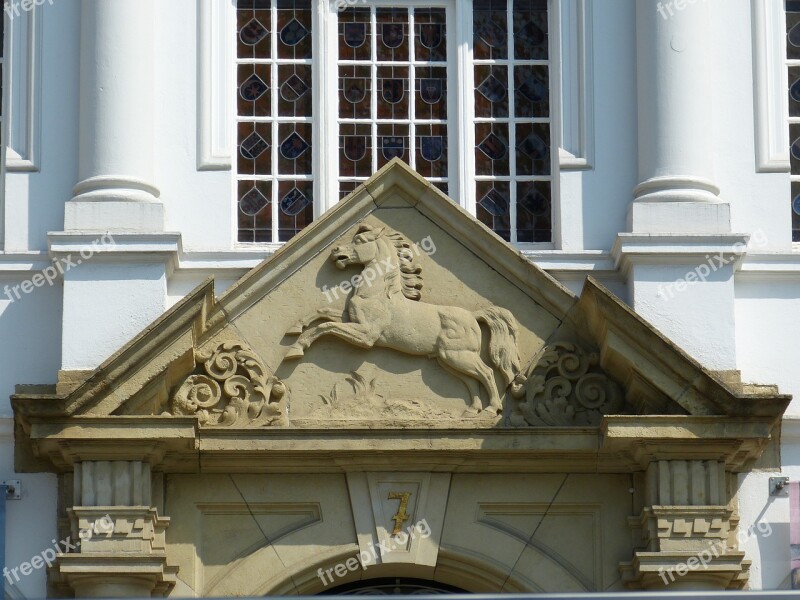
(295, 330)
(490, 411)
(294, 352)
(470, 413)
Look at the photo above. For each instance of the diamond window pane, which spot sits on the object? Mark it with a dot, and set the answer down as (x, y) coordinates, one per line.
(533, 148)
(491, 91)
(533, 211)
(530, 29)
(513, 158)
(490, 30)
(493, 207)
(531, 92)
(274, 114)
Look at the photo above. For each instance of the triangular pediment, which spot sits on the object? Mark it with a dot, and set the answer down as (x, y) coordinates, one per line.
(397, 309)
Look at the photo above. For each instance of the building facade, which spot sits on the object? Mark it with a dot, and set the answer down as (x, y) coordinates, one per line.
(484, 295)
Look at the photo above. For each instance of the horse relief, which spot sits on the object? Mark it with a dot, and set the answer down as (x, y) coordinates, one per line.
(387, 312)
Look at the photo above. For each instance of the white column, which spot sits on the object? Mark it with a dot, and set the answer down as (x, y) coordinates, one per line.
(676, 192)
(116, 189)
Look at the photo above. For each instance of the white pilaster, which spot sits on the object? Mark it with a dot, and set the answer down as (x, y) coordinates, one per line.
(680, 257)
(676, 192)
(116, 189)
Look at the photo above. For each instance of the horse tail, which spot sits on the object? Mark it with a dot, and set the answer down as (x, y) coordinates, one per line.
(502, 340)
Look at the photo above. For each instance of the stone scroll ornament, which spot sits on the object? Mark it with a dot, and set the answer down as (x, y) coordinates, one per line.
(564, 387)
(232, 388)
(387, 311)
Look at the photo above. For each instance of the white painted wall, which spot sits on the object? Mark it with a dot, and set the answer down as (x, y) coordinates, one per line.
(65, 325)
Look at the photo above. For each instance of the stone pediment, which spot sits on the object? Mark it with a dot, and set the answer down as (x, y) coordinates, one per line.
(397, 310)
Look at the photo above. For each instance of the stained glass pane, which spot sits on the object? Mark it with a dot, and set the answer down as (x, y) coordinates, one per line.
(490, 30)
(392, 142)
(253, 209)
(355, 150)
(533, 211)
(493, 207)
(294, 29)
(491, 91)
(355, 92)
(793, 30)
(253, 20)
(392, 34)
(355, 32)
(431, 97)
(254, 99)
(294, 90)
(296, 209)
(533, 148)
(530, 29)
(430, 34)
(491, 150)
(431, 149)
(794, 154)
(393, 87)
(294, 156)
(796, 211)
(531, 92)
(254, 156)
(793, 84)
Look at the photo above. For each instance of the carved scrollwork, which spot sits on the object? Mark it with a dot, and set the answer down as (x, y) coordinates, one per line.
(235, 390)
(564, 387)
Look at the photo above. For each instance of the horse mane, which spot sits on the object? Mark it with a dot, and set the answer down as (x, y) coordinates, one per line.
(410, 271)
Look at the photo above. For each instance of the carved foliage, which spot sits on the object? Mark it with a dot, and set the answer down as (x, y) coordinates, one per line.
(231, 387)
(564, 387)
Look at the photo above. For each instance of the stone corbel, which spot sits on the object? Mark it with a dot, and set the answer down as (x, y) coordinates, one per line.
(117, 538)
(685, 531)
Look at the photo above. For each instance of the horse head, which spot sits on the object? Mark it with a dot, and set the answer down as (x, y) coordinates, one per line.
(363, 250)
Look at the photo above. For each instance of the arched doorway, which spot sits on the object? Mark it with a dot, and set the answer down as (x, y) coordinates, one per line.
(393, 586)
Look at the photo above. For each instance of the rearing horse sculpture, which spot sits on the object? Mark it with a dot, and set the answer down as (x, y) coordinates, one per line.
(387, 313)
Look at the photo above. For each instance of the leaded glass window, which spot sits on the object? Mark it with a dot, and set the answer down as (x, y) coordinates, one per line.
(512, 118)
(793, 57)
(275, 192)
(458, 90)
(392, 73)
